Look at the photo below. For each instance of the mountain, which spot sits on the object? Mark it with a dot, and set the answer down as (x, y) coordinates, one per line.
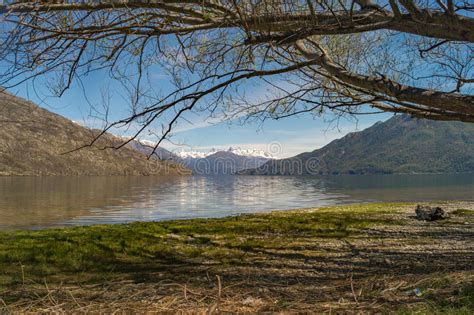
(236, 151)
(399, 145)
(222, 162)
(146, 147)
(33, 142)
(207, 163)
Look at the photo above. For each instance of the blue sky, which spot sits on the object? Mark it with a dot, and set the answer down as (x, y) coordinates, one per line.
(282, 138)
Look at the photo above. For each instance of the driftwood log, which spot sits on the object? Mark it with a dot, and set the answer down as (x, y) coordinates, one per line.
(428, 213)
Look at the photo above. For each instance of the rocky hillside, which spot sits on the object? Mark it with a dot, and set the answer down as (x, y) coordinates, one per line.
(33, 140)
(398, 145)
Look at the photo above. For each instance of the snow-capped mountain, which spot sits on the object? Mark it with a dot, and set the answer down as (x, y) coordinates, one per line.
(192, 154)
(225, 162)
(212, 162)
(236, 151)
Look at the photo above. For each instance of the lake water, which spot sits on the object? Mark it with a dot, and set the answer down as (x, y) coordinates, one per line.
(33, 203)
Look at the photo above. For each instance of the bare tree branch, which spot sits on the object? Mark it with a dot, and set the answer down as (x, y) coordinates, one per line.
(341, 56)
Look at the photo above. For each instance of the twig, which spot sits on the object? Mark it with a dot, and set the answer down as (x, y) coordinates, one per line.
(219, 286)
(75, 301)
(22, 273)
(353, 291)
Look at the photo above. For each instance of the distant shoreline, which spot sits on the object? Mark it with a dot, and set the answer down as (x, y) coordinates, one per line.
(217, 175)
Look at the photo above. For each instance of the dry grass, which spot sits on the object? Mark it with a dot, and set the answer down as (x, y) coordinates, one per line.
(351, 259)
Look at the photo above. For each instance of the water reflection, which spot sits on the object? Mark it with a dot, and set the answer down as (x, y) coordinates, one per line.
(54, 201)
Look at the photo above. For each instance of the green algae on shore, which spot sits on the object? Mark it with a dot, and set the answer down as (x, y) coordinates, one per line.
(354, 257)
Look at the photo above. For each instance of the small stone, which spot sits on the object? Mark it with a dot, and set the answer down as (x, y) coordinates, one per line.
(417, 292)
(428, 213)
(251, 301)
